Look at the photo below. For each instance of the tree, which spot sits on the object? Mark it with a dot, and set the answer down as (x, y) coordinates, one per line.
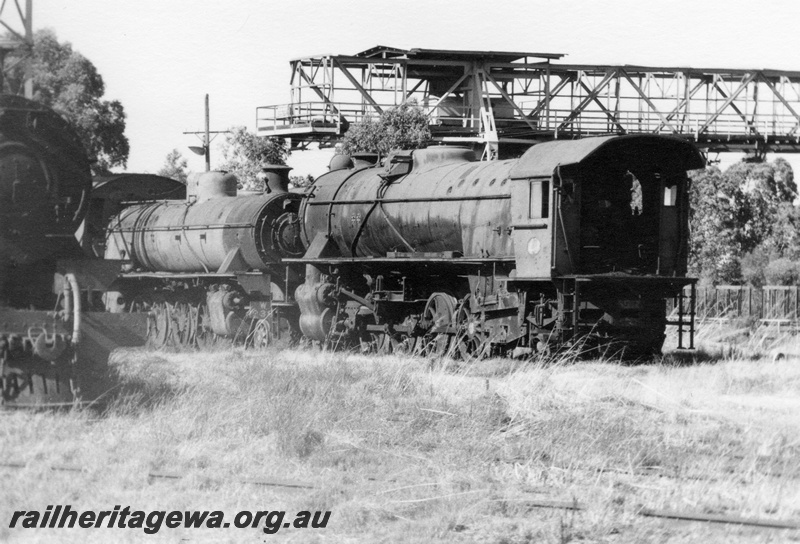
(742, 219)
(402, 127)
(246, 154)
(302, 181)
(175, 167)
(715, 227)
(69, 83)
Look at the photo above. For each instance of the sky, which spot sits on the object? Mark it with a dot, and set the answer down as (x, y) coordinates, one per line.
(159, 58)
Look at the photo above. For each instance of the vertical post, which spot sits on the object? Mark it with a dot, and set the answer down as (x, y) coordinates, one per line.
(287, 294)
(576, 308)
(207, 138)
(705, 300)
(2, 66)
(692, 302)
(681, 316)
(739, 303)
(28, 20)
(547, 98)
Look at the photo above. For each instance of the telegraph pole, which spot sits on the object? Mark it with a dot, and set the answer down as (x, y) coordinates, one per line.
(205, 150)
(207, 138)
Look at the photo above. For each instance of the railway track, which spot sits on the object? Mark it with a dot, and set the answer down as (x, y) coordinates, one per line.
(529, 501)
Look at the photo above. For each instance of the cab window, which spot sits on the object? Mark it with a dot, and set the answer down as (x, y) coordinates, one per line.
(540, 200)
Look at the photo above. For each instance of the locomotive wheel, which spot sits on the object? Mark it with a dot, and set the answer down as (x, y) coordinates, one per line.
(262, 334)
(467, 342)
(158, 322)
(403, 344)
(438, 315)
(384, 344)
(436, 345)
(179, 324)
(191, 316)
(136, 305)
(376, 343)
(205, 337)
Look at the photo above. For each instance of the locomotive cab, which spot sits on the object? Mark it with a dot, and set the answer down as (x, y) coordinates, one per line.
(603, 206)
(606, 219)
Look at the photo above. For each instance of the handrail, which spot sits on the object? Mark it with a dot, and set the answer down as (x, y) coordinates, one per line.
(726, 125)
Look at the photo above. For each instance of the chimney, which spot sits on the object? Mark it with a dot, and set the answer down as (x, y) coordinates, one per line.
(277, 178)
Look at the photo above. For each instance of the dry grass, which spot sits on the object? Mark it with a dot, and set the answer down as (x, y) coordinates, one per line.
(405, 450)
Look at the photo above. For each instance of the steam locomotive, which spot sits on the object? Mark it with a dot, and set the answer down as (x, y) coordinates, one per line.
(575, 243)
(53, 326)
(203, 267)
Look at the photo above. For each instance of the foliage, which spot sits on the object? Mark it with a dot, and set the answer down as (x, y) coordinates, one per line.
(402, 127)
(246, 154)
(175, 167)
(69, 83)
(300, 181)
(785, 238)
(782, 271)
(741, 219)
(753, 265)
(715, 220)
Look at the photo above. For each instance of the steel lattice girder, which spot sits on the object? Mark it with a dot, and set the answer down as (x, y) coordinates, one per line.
(498, 98)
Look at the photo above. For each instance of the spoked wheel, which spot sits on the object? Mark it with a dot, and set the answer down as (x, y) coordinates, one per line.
(467, 343)
(136, 305)
(191, 316)
(376, 342)
(384, 343)
(204, 337)
(158, 322)
(438, 315)
(261, 334)
(403, 344)
(179, 325)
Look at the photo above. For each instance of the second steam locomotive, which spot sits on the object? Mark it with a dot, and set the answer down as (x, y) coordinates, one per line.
(576, 242)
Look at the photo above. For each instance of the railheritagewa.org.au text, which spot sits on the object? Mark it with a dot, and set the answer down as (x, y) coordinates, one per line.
(65, 517)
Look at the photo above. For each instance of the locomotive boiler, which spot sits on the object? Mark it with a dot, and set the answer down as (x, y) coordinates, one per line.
(575, 243)
(208, 262)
